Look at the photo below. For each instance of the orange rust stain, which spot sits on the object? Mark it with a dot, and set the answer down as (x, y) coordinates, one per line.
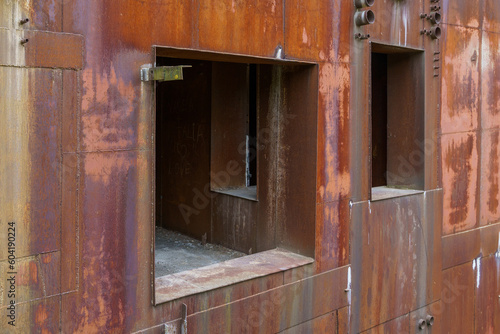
(455, 158)
(493, 174)
(47, 258)
(130, 23)
(460, 80)
(107, 111)
(333, 125)
(491, 85)
(28, 273)
(40, 315)
(460, 159)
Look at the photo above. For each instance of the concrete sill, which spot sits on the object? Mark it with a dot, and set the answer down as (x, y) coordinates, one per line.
(381, 193)
(191, 282)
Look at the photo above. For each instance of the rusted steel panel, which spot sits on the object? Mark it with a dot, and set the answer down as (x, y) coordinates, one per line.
(430, 257)
(490, 85)
(465, 13)
(267, 156)
(398, 325)
(491, 19)
(397, 22)
(107, 207)
(42, 14)
(112, 118)
(45, 159)
(277, 309)
(106, 249)
(457, 299)
(207, 300)
(234, 26)
(69, 227)
(180, 27)
(6, 15)
(460, 248)
(490, 238)
(431, 148)
(36, 277)
(298, 273)
(182, 151)
(332, 235)
(234, 223)
(360, 149)
(13, 53)
(459, 171)
(41, 316)
(460, 79)
(487, 295)
(47, 49)
(15, 161)
(324, 324)
(489, 205)
(229, 122)
(432, 325)
(160, 329)
(109, 112)
(333, 170)
(344, 320)
(297, 133)
(70, 110)
(318, 30)
(391, 244)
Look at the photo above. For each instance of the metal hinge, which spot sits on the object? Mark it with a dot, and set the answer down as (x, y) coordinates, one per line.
(162, 73)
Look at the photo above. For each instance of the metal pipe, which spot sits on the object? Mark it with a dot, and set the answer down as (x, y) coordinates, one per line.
(434, 17)
(363, 3)
(434, 32)
(364, 17)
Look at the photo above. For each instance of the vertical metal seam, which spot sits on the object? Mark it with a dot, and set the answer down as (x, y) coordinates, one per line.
(61, 167)
(78, 176)
(152, 100)
(284, 29)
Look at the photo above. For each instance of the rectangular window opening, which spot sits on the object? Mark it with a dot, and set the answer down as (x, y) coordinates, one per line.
(218, 167)
(397, 120)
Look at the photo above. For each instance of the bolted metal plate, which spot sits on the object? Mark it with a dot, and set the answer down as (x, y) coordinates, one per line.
(163, 73)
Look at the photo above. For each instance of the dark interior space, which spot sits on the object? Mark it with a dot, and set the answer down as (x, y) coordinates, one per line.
(252, 127)
(379, 119)
(233, 141)
(183, 149)
(397, 117)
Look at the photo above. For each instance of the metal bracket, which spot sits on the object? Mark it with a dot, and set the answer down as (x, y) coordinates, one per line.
(184, 322)
(162, 73)
(173, 327)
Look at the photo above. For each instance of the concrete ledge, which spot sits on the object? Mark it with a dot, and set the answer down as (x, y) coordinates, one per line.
(171, 287)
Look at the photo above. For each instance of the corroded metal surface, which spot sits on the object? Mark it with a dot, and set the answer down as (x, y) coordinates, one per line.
(459, 164)
(76, 168)
(394, 246)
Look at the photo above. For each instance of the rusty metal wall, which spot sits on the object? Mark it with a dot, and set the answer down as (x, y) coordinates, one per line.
(76, 169)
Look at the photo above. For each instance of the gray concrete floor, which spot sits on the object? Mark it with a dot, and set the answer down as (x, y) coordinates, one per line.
(175, 252)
